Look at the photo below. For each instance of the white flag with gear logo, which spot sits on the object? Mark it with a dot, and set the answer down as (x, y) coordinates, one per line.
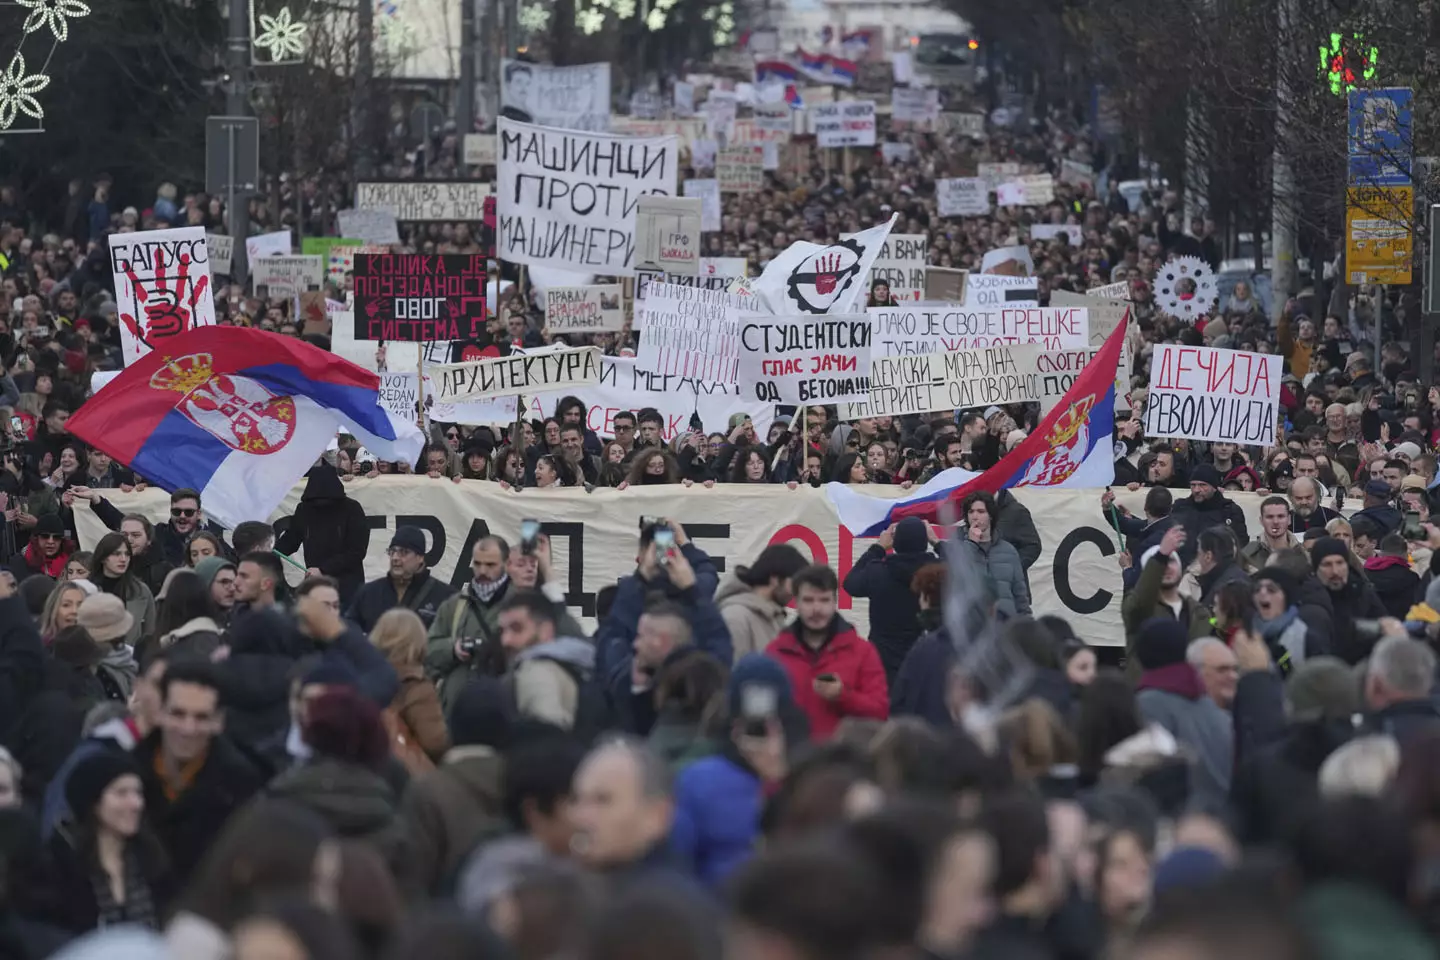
(822, 278)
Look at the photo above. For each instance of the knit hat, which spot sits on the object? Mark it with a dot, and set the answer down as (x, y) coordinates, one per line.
(331, 671)
(482, 714)
(35, 590)
(911, 536)
(756, 669)
(1187, 867)
(105, 618)
(49, 524)
(409, 538)
(1407, 449)
(1411, 482)
(1322, 688)
(1327, 547)
(1283, 579)
(209, 568)
(1162, 643)
(1205, 473)
(91, 776)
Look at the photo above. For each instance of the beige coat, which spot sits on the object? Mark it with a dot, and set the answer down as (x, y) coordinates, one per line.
(753, 621)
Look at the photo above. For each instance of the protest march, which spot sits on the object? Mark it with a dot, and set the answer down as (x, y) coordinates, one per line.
(719, 481)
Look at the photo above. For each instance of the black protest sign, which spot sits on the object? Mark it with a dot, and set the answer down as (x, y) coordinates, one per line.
(419, 299)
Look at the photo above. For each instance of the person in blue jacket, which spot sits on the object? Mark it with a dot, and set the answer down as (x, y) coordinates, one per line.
(719, 799)
(615, 637)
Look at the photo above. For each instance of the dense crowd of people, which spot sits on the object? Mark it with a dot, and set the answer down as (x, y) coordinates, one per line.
(203, 761)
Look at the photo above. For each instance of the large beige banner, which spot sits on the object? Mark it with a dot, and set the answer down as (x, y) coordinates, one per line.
(594, 535)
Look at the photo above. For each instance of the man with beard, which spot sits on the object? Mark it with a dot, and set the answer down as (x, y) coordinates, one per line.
(1351, 597)
(1207, 507)
(1309, 514)
(465, 637)
(186, 517)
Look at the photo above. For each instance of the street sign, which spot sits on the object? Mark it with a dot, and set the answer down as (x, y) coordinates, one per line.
(1380, 140)
(1378, 237)
(232, 155)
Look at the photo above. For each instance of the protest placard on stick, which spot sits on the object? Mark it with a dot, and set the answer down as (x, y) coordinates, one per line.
(910, 330)
(515, 375)
(805, 358)
(418, 298)
(950, 381)
(592, 309)
(689, 331)
(667, 234)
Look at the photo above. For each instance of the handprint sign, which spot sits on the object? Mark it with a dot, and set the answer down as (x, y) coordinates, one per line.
(162, 283)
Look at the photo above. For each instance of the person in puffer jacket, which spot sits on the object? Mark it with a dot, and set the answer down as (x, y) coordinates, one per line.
(752, 600)
(997, 560)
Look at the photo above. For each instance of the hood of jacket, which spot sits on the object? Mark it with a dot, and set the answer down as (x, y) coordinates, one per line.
(1179, 679)
(353, 799)
(572, 650)
(190, 628)
(902, 566)
(476, 768)
(1386, 563)
(324, 484)
(733, 593)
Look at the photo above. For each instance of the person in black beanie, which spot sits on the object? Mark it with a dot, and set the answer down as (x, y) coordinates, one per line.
(104, 847)
(1207, 507)
(1351, 597)
(1171, 694)
(1279, 624)
(448, 811)
(885, 578)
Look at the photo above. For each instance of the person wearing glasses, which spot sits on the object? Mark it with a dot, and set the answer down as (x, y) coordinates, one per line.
(407, 584)
(186, 518)
(45, 553)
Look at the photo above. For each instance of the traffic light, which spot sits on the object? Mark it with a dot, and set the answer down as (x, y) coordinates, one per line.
(1348, 61)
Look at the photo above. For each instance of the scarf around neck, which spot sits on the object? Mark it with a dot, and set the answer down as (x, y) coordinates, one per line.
(1271, 629)
(485, 592)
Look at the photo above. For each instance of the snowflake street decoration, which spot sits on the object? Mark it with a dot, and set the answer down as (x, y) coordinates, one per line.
(53, 14)
(589, 20)
(17, 92)
(534, 18)
(1185, 288)
(281, 36)
(18, 86)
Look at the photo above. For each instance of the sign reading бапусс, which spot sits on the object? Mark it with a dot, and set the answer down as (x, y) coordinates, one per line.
(419, 299)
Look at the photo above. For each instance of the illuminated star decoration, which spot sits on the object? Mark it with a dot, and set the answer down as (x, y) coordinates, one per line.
(53, 14)
(17, 92)
(280, 35)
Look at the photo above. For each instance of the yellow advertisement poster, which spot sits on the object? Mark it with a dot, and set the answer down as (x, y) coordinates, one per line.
(1378, 234)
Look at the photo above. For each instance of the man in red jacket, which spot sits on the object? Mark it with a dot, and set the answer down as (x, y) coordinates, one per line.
(834, 673)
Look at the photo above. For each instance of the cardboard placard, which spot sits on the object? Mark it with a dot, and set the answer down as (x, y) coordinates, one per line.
(592, 309)
(420, 298)
(667, 234)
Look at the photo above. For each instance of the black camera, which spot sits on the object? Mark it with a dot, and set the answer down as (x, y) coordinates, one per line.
(469, 645)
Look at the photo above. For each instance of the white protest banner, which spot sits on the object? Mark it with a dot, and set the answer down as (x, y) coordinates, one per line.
(770, 127)
(686, 130)
(625, 386)
(701, 280)
(719, 113)
(426, 200)
(849, 123)
(1034, 190)
(573, 98)
(399, 393)
(963, 197)
(914, 104)
(689, 331)
(995, 174)
(997, 289)
(222, 251)
(1105, 315)
(645, 104)
(901, 265)
(286, 277)
(592, 533)
(741, 169)
(703, 153)
(162, 286)
(805, 358)
(1119, 290)
(1073, 233)
(912, 330)
(770, 154)
(373, 226)
(1201, 393)
(275, 244)
(1009, 261)
(667, 234)
(515, 374)
(962, 125)
(684, 98)
(568, 199)
(928, 382)
(822, 278)
(1077, 174)
(584, 309)
(896, 152)
(723, 266)
(478, 149)
(708, 192)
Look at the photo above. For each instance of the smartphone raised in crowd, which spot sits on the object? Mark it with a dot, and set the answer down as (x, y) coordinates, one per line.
(529, 535)
(758, 704)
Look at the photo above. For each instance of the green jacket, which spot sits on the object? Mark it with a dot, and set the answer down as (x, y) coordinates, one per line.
(464, 616)
(1144, 603)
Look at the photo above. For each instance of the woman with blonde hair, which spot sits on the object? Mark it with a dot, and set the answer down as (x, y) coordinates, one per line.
(62, 609)
(414, 720)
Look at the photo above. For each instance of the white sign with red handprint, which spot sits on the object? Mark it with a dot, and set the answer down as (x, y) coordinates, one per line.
(162, 286)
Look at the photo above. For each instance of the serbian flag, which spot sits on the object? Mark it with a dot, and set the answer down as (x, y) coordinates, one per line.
(815, 66)
(842, 72)
(239, 415)
(856, 43)
(774, 70)
(792, 97)
(1073, 446)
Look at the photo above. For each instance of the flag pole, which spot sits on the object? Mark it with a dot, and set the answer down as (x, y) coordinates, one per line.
(420, 390)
